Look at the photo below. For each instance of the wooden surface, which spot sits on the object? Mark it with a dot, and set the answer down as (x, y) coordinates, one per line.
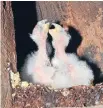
(88, 19)
(7, 52)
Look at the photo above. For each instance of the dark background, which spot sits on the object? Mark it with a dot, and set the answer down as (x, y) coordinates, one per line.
(25, 19)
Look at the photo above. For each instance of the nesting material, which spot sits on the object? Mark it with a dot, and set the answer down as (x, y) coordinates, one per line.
(42, 97)
(16, 81)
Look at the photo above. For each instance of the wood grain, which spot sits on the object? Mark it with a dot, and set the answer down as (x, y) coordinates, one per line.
(8, 54)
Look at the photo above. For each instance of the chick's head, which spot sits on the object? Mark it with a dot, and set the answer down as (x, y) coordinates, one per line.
(59, 35)
(40, 31)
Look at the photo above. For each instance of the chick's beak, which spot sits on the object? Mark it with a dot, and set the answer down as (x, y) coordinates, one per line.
(55, 30)
(46, 27)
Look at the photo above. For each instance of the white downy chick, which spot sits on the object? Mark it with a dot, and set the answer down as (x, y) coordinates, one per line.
(77, 71)
(37, 67)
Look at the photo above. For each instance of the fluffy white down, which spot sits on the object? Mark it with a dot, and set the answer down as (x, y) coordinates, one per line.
(77, 73)
(41, 76)
(83, 75)
(58, 76)
(37, 67)
(70, 70)
(66, 70)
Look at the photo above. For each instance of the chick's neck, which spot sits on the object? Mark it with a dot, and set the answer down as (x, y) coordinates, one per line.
(42, 47)
(60, 52)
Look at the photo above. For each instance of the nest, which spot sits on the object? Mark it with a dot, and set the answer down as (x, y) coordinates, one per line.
(27, 95)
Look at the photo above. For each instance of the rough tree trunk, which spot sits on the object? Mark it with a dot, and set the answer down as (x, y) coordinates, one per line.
(86, 17)
(8, 54)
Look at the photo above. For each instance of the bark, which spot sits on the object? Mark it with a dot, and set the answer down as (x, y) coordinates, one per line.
(8, 55)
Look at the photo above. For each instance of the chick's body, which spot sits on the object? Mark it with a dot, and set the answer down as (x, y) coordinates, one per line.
(37, 67)
(76, 71)
(64, 70)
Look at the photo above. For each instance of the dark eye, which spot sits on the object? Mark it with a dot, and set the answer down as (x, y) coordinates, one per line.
(52, 27)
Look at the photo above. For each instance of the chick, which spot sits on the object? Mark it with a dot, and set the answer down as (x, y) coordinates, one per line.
(75, 71)
(37, 67)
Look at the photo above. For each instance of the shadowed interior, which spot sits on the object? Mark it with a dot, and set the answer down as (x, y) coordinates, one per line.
(25, 18)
